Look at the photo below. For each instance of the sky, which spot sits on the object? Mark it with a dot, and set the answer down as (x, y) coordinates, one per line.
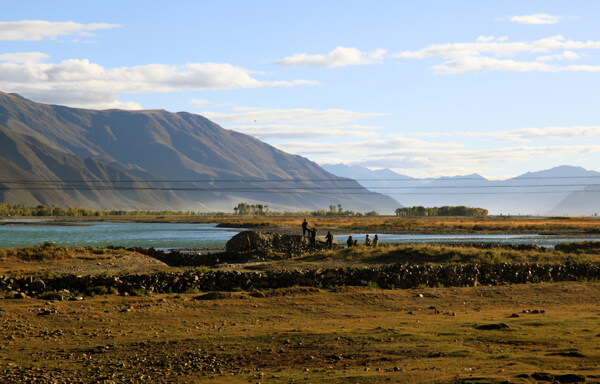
(425, 88)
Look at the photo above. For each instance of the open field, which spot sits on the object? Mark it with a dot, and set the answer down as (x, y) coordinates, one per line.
(381, 224)
(342, 335)
(517, 333)
(53, 260)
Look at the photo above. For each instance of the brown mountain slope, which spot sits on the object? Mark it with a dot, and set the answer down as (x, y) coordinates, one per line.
(181, 146)
(33, 173)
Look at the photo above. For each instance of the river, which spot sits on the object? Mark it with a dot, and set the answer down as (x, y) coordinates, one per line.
(199, 236)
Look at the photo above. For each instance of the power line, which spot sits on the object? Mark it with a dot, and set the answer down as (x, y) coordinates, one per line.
(340, 179)
(249, 189)
(284, 190)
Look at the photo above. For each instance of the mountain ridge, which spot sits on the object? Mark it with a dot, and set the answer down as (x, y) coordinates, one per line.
(561, 190)
(164, 146)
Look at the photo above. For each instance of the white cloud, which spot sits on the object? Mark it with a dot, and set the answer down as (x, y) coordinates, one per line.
(339, 57)
(488, 54)
(566, 55)
(362, 150)
(526, 134)
(538, 18)
(479, 156)
(23, 57)
(199, 102)
(303, 116)
(272, 123)
(453, 159)
(280, 131)
(497, 47)
(480, 63)
(34, 30)
(72, 81)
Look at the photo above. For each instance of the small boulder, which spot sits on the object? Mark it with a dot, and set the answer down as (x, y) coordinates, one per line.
(490, 327)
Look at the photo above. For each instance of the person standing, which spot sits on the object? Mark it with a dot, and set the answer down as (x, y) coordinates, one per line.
(367, 240)
(304, 228)
(329, 238)
(376, 241)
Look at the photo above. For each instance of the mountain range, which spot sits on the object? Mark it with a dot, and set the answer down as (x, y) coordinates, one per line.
(563, 190)
(154, 159)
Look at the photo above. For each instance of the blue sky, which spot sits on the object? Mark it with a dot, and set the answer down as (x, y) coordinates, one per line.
(426, 88)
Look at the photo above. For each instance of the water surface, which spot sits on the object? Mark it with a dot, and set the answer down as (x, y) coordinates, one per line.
(99, 234)
(202, 236)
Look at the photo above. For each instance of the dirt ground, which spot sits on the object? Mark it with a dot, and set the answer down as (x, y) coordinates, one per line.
(517, 334)
(84, 261)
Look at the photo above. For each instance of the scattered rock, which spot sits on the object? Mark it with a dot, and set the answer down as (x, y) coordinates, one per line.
(218, 296)
(570, 378)
(53, 296)
(542, 376)
(490, 327)
(567, 354)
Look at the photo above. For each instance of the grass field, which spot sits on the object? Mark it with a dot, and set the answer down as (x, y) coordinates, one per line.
(388, 224)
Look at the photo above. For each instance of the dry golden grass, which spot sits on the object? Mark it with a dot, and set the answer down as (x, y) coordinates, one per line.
(394, 224)
(349, 335)
(52, 259)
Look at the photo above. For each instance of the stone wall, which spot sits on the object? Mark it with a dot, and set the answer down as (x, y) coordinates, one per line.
(393, 276)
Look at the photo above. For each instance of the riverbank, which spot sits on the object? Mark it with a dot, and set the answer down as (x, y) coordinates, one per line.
(561, 225)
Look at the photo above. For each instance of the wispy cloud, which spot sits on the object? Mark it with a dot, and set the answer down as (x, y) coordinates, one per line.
(438, 160)
(479, 63)
(34, 30)
(499, 47)
(362, 150)
(282, 131)
(566, 55)
(85, 84)
(290, 116)
(537, 18)
(339, 57)
(527, 133)
(276, 123)
(490, 54)
(23, 57)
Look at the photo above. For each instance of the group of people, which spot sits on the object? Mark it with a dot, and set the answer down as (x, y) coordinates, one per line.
(368, 241)
(312, 234)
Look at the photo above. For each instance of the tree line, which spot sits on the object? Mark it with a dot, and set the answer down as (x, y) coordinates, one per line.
(441, 211)
(43, 210)
(245, 209)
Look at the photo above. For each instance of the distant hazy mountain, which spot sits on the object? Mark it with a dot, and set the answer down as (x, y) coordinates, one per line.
(583, 202)
(153, 149)
(544, 192)
(380, 180)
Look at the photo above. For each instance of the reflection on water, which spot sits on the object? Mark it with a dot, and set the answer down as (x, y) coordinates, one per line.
(186, 235)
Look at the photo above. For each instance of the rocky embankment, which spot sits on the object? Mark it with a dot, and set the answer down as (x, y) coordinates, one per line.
(394, 276)
(246, 246)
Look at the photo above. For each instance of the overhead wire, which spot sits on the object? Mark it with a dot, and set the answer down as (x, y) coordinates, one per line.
(349, 190)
